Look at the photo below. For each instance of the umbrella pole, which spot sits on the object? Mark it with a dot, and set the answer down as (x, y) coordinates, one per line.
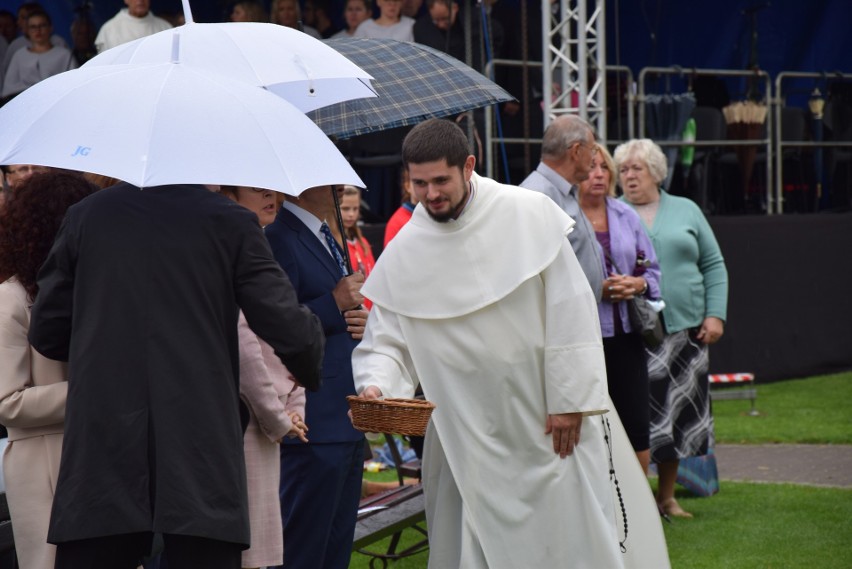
(187, 12)
(345, 246)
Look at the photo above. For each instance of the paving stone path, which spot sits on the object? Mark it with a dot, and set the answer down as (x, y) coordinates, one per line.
(818, 465)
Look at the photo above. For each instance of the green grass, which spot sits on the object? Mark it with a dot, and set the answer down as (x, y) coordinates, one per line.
(763, 526)
(817, 410)
(745, 526)
(409, 537)
(757, 526)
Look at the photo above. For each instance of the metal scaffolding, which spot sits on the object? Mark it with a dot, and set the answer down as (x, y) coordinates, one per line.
(574, 54)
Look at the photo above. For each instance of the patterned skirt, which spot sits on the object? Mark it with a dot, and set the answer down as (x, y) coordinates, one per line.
(681, 423)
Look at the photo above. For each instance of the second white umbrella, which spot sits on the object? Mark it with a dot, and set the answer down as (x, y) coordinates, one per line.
(291, 64)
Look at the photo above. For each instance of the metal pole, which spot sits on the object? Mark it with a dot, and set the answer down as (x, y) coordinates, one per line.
(582, 61)
(547, 58)
(468, 58)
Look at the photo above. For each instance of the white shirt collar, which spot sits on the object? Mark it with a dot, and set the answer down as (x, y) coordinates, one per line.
(555, 178)
(311, 221)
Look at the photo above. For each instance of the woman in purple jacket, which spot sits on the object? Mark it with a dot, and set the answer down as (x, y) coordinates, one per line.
(630, 269)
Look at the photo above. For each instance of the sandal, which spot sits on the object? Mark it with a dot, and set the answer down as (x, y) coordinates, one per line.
(663, 515)
(670, 508)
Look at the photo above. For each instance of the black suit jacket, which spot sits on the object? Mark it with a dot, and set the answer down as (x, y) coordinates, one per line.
(314, 274)
(140, 293)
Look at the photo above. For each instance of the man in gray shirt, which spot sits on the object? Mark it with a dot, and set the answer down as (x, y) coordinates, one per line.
(567, 150)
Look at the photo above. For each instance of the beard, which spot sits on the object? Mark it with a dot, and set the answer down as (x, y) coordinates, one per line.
(453, 212)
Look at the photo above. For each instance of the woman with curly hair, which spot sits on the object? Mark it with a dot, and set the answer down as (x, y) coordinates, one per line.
(32, 388)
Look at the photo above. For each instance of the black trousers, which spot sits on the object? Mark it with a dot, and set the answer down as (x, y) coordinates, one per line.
(627, 377)
(125, 551)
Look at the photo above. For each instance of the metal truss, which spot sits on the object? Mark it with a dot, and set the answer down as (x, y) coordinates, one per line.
(574, 58)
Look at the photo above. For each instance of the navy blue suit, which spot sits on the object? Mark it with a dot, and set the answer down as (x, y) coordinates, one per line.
(321, 480)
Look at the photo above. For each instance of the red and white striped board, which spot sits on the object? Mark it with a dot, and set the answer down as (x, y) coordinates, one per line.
(731, 378)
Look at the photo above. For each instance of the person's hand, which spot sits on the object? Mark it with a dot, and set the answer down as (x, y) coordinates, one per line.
(565, 428)
(622, 287)
(347, 293)
(711, 330)
(369, 392)
(356, 320)
(299, 428)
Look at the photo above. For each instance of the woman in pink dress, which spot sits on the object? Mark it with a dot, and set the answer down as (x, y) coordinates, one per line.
(277, 407)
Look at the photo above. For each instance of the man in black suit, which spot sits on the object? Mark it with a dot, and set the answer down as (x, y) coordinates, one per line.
(140, 294)
(321, 480)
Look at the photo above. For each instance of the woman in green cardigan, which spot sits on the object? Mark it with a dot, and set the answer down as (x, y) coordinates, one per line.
(695, 289)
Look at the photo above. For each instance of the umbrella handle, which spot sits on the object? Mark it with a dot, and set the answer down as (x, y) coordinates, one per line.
(346, 260)
(345, 247)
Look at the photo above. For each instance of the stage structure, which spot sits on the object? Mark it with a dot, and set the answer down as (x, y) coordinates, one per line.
(574, 48)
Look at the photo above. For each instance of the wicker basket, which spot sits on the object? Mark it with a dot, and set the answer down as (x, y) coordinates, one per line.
(397, 416)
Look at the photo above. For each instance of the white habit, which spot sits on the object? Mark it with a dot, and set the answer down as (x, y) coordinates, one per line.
(123, 28)
(492, 315)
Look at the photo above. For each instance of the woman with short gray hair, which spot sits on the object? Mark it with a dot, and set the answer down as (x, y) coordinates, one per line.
(694, 287)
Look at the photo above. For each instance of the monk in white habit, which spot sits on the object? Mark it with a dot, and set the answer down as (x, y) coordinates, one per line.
(480, 300)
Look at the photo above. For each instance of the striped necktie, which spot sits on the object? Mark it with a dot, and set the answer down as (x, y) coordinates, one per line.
(335, 248)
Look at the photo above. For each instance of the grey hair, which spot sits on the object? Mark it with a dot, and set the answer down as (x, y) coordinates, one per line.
(647, 151)
(562, 133)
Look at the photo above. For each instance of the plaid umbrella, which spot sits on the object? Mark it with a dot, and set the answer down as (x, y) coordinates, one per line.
(413, 83)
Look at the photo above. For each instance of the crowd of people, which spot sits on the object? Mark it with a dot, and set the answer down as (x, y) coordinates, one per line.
(495, 326)
(179, 358)
(627, 250)
(434, 23)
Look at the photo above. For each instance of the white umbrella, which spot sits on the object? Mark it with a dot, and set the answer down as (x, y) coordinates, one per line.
(291, 64)
(169, 123)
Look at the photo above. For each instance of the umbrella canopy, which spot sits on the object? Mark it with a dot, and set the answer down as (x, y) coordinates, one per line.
(665, 119)
(152, 125)
(291, 64)
(413, 83)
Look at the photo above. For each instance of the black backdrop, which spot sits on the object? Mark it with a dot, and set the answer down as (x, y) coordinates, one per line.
(790, 303)
(789, 308)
